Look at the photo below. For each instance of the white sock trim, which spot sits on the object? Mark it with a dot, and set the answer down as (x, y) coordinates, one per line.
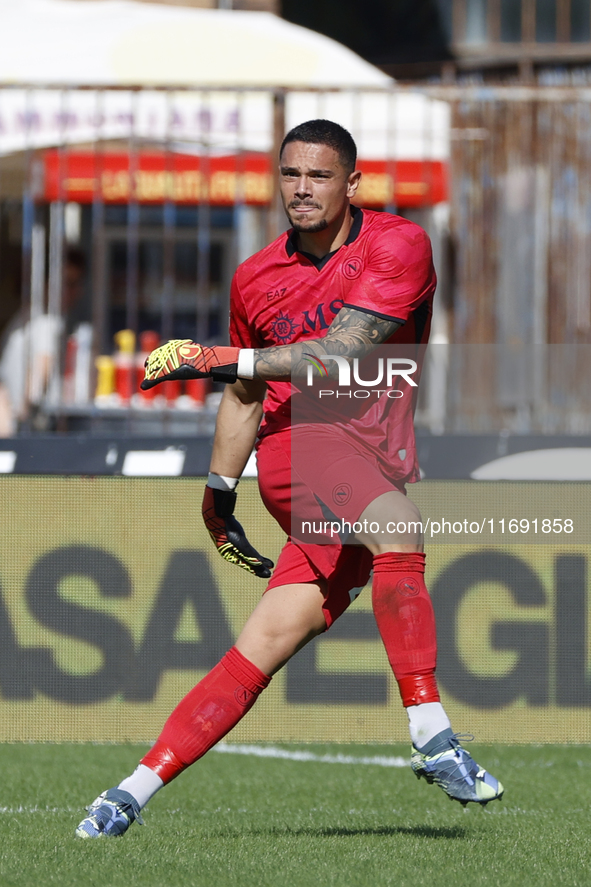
(246, 363)
(222, 482)
(425, 721)
(142, 784)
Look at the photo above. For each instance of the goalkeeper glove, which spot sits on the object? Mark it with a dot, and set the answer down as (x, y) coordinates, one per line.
(184, 359)
(228, 535)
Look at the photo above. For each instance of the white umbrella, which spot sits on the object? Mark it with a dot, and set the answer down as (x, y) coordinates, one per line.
(119, 43)
(217, 58)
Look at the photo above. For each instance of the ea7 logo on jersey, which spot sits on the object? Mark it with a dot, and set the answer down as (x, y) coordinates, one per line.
(352, 267)
(275, 294)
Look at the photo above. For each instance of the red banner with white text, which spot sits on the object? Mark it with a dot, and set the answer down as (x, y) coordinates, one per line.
(155, 177)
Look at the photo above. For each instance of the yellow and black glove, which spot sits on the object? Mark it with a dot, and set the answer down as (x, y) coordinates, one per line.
(228, 535)
(184, 359)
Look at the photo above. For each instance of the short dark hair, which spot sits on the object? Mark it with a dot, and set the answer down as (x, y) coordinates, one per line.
(325, 132)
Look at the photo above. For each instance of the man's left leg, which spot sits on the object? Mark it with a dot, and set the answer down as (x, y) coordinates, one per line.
(285, 619)
(406, 622)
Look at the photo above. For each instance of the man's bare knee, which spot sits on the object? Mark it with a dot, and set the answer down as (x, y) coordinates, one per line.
(284, 620)
(393, 523)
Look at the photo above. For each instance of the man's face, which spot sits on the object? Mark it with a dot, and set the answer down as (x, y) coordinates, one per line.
(315, 187)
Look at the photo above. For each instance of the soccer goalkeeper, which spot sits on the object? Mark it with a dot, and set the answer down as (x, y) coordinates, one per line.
(340, 282)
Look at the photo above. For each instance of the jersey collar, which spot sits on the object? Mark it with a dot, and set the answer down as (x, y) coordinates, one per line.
(291, 245)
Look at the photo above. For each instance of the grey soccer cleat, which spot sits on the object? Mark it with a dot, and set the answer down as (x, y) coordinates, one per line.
(110, 815)
(444, 762)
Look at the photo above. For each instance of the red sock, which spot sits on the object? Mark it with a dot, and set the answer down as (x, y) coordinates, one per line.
(206, 714)
(406, 622)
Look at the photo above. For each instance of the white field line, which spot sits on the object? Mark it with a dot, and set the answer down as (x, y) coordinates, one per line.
(271, 751)
(12, 811)
(257, 751)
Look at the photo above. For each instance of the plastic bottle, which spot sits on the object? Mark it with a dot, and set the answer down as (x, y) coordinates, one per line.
(105, 381)
(69, 370)
(125, 375)
(76, 380)
(197, 390)
(83, 337)
(172, 391)
(149, 340)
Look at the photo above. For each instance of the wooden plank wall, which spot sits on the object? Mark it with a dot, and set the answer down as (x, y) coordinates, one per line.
(521, 218)
(521, 242)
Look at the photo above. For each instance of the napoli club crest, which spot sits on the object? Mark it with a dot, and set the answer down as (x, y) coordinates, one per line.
(408, 587)
(342, 493)
(352, 267)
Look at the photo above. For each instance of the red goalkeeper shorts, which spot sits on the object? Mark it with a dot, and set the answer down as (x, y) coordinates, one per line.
(337, 483)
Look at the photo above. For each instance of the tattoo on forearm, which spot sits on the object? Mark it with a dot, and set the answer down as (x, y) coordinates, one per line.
(352, 334)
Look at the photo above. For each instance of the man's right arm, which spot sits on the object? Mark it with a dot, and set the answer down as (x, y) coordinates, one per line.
(237, 424)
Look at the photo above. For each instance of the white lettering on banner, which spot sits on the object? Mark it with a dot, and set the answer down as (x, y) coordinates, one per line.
(47, 117)
(229, 119)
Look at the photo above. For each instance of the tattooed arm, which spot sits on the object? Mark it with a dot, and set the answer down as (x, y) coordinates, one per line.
(352, 333)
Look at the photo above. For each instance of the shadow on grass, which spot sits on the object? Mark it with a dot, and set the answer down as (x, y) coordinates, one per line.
(416, 831)
(451, 833)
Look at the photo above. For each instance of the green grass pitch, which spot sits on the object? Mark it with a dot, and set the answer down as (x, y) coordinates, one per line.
(245, 821)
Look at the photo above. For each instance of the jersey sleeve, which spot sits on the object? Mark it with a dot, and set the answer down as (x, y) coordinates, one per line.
(398, 274)
(241, 333)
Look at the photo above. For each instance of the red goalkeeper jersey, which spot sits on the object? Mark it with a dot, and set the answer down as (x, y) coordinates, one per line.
(281, 295)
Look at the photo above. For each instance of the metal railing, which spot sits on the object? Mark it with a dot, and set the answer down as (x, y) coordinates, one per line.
(163, 192)
(142, 202)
